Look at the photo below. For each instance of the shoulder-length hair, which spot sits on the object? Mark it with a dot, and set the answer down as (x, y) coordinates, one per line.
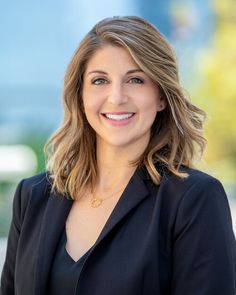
(176, 134)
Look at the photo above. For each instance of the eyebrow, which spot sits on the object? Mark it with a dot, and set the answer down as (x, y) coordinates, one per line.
(105, 73)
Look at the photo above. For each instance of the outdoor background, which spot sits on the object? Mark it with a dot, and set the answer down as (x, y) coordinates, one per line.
(38, 39)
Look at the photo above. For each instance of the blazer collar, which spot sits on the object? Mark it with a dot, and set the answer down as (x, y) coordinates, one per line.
(133, 194)
(56, 212)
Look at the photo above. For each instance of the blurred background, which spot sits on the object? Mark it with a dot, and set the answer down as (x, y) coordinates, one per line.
(38, 39)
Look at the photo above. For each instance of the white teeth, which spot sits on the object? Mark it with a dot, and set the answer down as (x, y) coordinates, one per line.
(118, 117)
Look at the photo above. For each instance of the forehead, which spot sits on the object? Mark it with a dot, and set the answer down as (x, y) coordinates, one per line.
(111, 57)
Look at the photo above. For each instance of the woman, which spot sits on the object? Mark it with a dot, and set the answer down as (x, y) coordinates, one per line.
(121, 209)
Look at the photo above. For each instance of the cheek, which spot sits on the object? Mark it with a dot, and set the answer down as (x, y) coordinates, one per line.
(91, 104)
(92, 100)
(149, 103)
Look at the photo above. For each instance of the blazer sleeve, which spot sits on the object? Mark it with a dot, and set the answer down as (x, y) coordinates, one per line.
(7, 277)
(204, 249)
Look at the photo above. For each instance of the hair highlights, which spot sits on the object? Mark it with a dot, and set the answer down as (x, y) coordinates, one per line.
(176, 135)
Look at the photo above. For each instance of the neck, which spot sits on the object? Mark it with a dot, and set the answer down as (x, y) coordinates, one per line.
(114, 168)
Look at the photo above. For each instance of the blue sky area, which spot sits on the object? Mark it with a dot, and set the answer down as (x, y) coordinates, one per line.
(38, 39)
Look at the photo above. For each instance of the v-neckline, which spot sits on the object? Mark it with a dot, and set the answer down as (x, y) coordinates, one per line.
(51, 229)
(81, 258)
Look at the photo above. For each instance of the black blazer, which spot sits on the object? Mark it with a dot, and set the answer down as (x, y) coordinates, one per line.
(175, 238)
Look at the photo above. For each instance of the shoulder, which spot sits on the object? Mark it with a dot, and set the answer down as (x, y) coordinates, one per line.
(30, 190)
(40, 179)
(196, 199)
(196, 188)
(36, 186)
(39, 182)
(196, 180)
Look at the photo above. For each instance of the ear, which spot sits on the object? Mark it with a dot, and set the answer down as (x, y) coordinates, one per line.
(161, 104)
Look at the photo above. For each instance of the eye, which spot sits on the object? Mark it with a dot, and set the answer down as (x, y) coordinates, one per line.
(99, 81)
(136, 80)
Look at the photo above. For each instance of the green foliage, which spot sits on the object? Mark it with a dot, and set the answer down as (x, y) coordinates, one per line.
(6, 189)
(218, 91)
(36, 141)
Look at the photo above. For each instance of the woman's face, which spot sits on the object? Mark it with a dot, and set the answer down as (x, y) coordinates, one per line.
(120, 100)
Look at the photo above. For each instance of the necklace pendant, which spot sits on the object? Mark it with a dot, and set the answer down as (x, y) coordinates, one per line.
(96, 202)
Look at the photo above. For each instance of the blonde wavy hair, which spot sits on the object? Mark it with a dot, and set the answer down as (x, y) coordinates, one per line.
(176, 134)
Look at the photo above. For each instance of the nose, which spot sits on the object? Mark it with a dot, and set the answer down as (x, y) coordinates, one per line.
(117, 94)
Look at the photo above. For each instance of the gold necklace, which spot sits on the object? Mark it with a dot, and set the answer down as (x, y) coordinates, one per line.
(96, 202)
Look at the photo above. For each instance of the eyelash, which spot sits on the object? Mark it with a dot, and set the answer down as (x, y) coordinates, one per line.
(99, 80)
(140, 81)
(104, 81)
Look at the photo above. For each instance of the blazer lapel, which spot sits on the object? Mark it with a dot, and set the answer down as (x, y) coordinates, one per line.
(56, 212)
(134, 193)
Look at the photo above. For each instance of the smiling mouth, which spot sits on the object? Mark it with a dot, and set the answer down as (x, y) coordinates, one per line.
(117, 116)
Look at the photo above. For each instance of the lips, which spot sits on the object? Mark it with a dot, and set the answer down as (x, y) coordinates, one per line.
(118, 116)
